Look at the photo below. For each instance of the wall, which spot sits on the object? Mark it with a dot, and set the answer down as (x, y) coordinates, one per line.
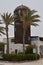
(19, 47)
(13, 47)
(38, 43)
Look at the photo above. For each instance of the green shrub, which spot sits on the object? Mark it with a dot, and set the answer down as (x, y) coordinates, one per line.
(1, 46)
(29, 49)
(20, 57)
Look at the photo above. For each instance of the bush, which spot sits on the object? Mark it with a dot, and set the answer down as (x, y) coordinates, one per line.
(20, 57)
(29, 49)
(1, 46)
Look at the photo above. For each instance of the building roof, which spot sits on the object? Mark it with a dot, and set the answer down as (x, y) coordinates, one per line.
(34, 36)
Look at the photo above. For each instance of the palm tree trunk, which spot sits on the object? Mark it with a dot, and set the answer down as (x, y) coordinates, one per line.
(7, 40)
(23, 41)
(14, 33)
(29, 34)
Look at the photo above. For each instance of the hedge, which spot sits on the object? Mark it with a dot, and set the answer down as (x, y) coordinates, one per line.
(20, 57)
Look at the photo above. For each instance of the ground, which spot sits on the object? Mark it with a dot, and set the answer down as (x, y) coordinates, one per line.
(37, 62)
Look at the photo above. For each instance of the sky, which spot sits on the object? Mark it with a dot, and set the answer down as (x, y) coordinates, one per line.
(10, 5)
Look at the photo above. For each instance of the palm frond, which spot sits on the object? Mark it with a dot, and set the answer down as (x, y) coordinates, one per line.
(2, 32)
(33, 12)
(7, 18)
(34, 24)
(0, 35)
(35, 16)
(35, 20)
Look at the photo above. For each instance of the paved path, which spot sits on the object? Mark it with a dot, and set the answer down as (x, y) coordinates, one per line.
(39, 62)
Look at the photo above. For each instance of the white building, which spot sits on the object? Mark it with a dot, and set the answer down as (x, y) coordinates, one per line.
(38, 41)
(18, 47)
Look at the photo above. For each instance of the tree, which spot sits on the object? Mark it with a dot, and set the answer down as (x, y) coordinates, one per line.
(28, 18)
(7, 19)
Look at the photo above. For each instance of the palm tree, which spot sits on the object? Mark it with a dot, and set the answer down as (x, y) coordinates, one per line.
(7, 19)
(28, 18)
